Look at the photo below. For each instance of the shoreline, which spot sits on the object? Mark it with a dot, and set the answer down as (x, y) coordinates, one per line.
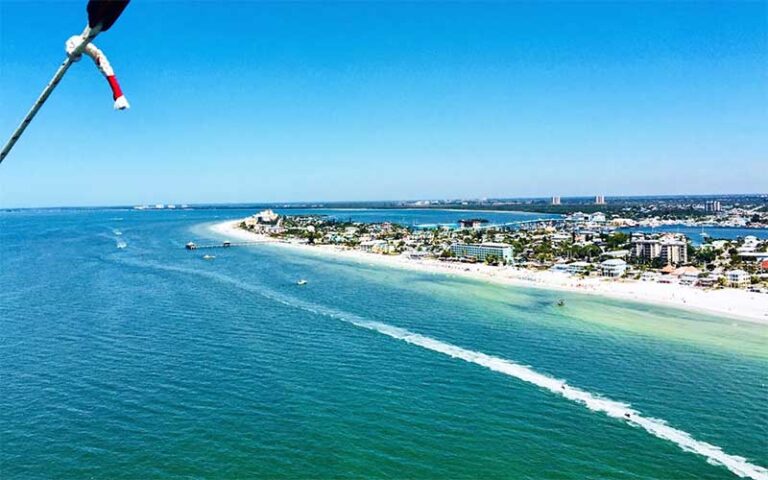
(731, 303)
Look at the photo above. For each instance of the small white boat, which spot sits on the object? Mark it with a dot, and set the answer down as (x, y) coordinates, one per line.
(301, 282)
(209, 257)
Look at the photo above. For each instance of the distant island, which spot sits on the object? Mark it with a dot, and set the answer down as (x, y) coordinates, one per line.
(742, 210)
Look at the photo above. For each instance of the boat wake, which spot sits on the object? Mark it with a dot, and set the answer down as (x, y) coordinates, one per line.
(594, 402)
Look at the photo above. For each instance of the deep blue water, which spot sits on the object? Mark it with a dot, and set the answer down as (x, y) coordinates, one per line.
(149, 362)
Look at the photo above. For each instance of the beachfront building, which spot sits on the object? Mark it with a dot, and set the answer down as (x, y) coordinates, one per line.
(737, 278)
(481, 251)
(555, 201)
(709, 280)
(671, 249)
(265, 221)
(615, 267)
(674, 251)
(578, 268)
(650, 276)
(599, 200)
(687, 275)
(375, 246)
(559, 268)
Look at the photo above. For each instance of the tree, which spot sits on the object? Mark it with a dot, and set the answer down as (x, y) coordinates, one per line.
(704, 255)
(616, 240)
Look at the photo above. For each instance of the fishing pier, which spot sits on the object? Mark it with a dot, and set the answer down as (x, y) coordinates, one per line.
(194, 246)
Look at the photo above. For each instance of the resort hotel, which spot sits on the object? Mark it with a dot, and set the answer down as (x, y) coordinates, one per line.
(502, 251)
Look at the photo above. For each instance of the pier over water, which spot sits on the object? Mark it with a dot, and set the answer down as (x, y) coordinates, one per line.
(226, 244)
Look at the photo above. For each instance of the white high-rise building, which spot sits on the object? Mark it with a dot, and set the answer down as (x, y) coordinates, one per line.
(555, 201)
(599, 200)
(712, 206)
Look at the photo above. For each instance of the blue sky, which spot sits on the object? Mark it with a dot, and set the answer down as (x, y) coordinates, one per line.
(251, 101)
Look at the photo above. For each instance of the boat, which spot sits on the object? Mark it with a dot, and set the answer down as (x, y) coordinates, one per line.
(561, 303)
(301, 282)
(209, 257)
(190, 246)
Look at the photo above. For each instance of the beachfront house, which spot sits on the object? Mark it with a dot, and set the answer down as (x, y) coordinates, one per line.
(375, 246)
(560, 268)
(615, 267)
(577, 268)
(687, 275)
(737, 278)
(650, 276)
(709, 280)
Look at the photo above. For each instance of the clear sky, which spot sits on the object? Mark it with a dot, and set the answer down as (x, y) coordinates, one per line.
(251, 101)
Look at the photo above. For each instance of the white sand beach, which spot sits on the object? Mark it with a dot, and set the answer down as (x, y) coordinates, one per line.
(729, 302)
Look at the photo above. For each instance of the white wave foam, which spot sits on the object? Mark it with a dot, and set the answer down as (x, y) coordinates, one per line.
(659, 428)
(612, 408)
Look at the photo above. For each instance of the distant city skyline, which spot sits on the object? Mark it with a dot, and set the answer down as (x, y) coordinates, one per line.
(385, 102)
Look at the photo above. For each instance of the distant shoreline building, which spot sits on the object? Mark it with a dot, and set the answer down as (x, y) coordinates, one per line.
(474, 223)
(599, 200)
(712, 206)
(555, 201)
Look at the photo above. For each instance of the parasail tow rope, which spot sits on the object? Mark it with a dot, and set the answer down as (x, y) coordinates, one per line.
(102, 14)
(87, 36)
(74, 45)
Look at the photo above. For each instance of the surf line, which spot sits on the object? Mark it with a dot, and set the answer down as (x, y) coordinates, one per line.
(612, 408)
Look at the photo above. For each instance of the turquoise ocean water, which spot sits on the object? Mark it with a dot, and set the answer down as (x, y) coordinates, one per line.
(124, 356)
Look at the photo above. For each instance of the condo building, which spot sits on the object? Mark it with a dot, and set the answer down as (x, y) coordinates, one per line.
(481, 251)
(712, 206)
(671, 249)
